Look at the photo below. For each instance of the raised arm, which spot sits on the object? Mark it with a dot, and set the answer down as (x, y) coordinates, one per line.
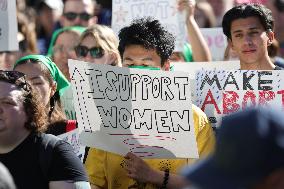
(200, 49)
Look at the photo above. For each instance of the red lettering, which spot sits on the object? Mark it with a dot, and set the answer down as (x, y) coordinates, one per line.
(209, 40)
(265, 96)
(209, 99)
(249, 96)
(219, 41)
(282, 93)
(229, 102)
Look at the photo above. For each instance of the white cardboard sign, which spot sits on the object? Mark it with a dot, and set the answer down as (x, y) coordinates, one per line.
(122, 110)
(192, 67)
(217, 42)
(124, 11)
(220, 92)
(72, 137)
(8, 26)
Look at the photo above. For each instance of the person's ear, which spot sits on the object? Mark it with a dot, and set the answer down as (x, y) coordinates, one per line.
(270, 36)
(230, 43)
(166, 66)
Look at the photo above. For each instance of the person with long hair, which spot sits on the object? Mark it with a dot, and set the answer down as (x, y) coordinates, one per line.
(50, 84)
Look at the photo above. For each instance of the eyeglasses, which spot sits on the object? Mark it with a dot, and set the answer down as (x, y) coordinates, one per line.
(95, 52)
(15, 77)
(72, 16)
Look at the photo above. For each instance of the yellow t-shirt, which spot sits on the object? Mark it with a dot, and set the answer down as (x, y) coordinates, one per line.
(106, 169)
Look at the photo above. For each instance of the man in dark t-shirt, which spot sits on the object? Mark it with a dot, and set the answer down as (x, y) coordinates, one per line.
(33, 162)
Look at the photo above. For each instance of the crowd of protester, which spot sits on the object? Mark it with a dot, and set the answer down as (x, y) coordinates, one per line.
(248, 152)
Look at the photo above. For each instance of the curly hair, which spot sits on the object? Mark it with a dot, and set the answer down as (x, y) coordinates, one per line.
(37, 118)
(150, 34)
(248, 10)
(36, 115)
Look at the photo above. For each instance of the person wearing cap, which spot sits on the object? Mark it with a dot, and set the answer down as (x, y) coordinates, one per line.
(47, 15)
(249, 153)
(108, 170)
(249, 30)
(32, 159)
(50, 84)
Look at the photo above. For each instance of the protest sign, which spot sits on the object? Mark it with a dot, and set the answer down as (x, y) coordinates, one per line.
(147, 112)
(193, 67)
(124, 11)
(72, 137)
(217, 42)
(8, 26)
(220, 92)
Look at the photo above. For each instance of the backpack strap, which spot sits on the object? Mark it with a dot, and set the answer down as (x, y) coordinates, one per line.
(46, 146)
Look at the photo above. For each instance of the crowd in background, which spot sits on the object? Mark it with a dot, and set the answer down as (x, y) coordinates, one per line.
(35, 30)
(81, 29)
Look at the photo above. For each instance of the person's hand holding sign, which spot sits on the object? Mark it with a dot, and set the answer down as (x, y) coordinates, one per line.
(138, 169)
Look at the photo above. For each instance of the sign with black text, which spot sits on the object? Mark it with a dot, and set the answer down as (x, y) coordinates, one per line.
(220, 92)
(147, 112)
(8, 26)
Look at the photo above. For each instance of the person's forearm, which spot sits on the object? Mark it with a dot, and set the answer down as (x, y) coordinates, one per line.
(200, 49)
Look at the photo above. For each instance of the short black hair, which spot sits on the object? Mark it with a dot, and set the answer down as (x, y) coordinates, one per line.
(248, 10)
(150, 34)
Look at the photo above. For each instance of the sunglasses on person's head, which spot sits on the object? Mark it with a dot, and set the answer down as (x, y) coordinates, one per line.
(72, 16)
(95, 52)
(15, 77)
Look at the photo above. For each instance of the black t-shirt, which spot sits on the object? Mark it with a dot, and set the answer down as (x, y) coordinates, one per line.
(24, 164)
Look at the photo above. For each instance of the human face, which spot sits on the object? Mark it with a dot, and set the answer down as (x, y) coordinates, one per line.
(78, 7)
(8, 59)
(63, 50)
(90, 42)
(137, 55)
(12, 113)
(35, 74)
(250, 40)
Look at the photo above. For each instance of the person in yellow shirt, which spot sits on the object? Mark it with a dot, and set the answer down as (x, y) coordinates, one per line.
(108, 170)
